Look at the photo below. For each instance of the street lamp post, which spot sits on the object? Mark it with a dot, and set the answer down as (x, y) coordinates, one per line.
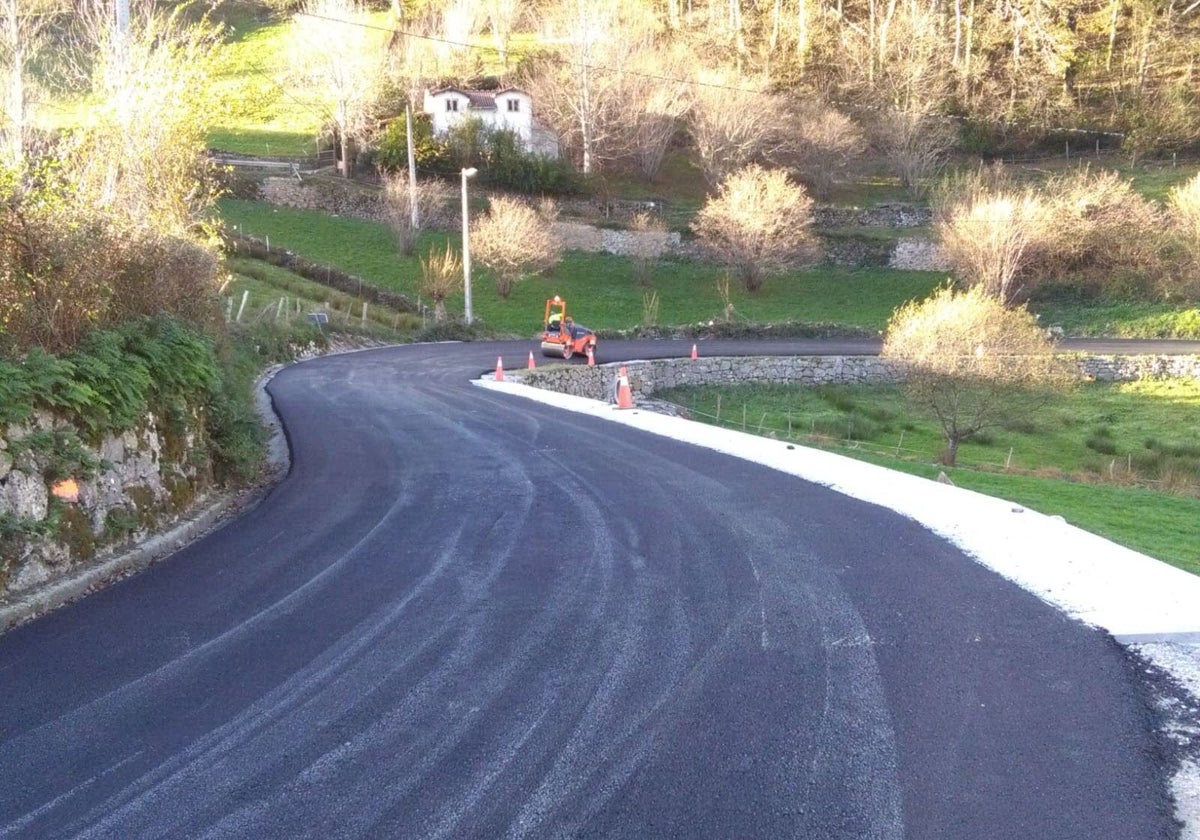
(466, 245)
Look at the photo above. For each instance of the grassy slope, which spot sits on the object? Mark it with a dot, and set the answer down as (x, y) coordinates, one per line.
(262, 114)
(1123, 420)
(599, 287)
(265, 284)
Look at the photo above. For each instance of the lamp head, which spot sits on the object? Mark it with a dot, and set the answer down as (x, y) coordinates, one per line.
(469, 173)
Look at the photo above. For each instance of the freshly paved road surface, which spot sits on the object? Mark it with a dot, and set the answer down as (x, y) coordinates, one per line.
(468, 615)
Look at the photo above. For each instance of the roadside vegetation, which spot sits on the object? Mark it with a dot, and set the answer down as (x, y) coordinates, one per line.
(1121, 460)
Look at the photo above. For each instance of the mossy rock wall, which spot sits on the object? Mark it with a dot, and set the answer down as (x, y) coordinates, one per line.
(129, 484)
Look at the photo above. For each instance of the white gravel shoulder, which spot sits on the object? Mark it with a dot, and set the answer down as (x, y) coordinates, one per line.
(1145, 603)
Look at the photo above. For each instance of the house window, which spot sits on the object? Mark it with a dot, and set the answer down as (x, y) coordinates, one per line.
(451, 104)
(514, 105)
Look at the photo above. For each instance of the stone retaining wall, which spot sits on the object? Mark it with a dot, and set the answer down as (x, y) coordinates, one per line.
(356, 202)
(146, 479)
(648, 377)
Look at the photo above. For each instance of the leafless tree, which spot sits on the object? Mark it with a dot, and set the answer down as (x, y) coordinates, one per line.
(758, 223)
(733, 124)
(917, 145)
(24, 26)
(514, 241)
(989, 234)
(340, 57)
(434, 210)
(441, 276)
(824, 145)
(657, 101)
(972, 361)
(141, 156)
(501, 18)
(581, 89)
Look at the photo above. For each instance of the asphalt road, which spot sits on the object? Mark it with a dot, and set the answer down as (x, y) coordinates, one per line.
(467, 615)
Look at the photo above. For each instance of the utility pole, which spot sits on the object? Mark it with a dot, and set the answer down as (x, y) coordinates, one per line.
(412, 170)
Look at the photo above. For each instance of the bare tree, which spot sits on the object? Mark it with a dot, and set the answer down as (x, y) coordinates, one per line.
(824, 144)
(340, 57)
(434, 211)
(141, 156)
(732, 124)
(989, 234)
(502, 17)
(917, 145)
(23, 37)
(973, 362)
(758, 224)
(441, 276)
(514, 241)
(582, 89)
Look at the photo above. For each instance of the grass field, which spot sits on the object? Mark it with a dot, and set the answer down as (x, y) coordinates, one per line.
(600, 287)
(262, 113)
(1120, 460)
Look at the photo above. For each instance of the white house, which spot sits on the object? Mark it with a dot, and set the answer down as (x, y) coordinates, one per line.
(510, 109)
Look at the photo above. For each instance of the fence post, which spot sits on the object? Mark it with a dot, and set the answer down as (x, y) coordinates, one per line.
(245, 294)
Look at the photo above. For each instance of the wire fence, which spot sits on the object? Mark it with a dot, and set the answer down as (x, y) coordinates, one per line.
(1120, 471)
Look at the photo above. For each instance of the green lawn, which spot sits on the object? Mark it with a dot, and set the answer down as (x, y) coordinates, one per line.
(1121, 460)
(262, 112)
(600, 287)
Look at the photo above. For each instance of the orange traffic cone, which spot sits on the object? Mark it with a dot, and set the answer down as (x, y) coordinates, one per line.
(591, 353)
(531, 364)
(624, 397)
(499, 369)
(695, 354)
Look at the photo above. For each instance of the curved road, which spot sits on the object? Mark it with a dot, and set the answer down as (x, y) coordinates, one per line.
(464, 614)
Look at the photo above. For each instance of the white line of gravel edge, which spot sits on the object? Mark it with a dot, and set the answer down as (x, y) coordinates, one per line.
(1142, 602)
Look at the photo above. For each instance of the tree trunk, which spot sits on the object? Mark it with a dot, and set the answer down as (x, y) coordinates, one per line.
(347, 164)
(950, 456)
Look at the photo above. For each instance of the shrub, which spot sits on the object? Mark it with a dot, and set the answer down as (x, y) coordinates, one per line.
(1184, 203)
(391, 150)
(441, 276)
(1084, 230)
(757, 224)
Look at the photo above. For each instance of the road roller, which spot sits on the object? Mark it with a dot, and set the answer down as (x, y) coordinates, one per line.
(562, 338)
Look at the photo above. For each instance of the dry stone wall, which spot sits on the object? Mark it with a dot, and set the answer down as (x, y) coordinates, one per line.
(648, 377)
(144, 479)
